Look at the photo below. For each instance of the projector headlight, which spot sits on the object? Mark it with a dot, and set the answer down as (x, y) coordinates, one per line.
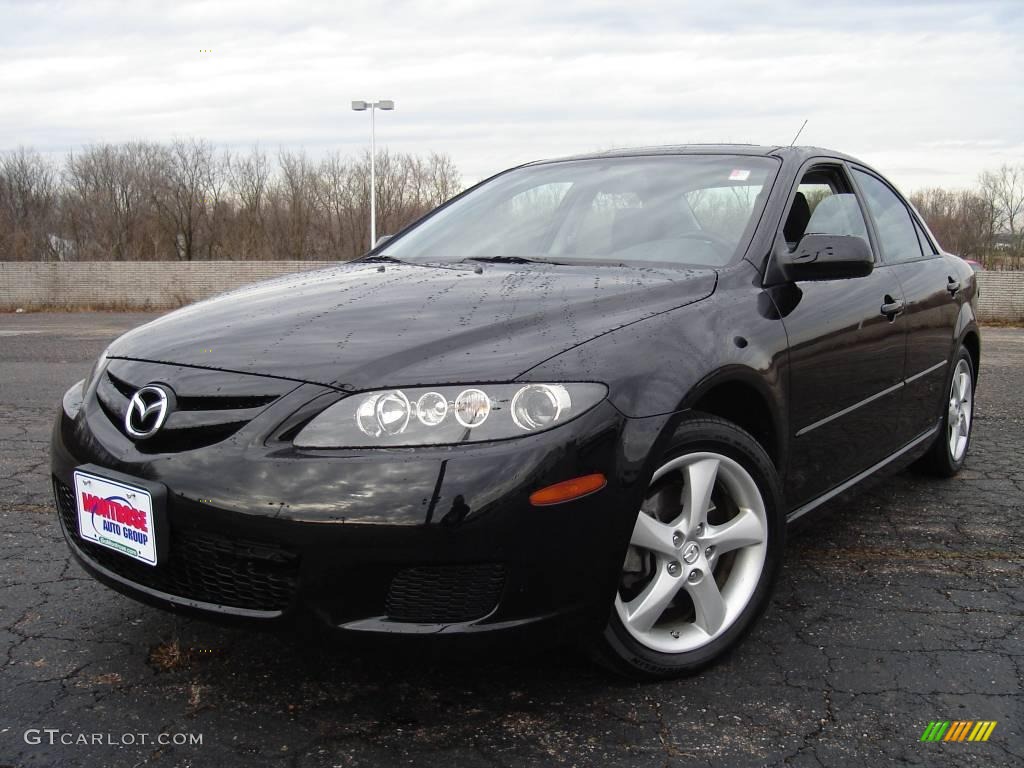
(94, 373)
(447, 415)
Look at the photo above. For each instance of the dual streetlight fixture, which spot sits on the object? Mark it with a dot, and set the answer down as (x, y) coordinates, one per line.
(372, 106)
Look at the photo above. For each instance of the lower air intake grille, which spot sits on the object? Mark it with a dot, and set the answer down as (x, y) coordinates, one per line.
(445, 594)
(199, 566)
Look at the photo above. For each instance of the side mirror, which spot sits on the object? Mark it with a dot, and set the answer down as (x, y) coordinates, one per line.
(383, 238)
(826, 257)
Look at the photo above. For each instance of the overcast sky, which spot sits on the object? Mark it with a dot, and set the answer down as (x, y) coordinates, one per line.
(929, 92)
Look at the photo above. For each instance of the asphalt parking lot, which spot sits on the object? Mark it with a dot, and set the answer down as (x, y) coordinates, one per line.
(895, 608)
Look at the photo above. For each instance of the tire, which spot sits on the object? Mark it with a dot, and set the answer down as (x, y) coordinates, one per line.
(678, 562)
(942, 460)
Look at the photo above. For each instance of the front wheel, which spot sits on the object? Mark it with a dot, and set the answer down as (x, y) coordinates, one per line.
(703, 555)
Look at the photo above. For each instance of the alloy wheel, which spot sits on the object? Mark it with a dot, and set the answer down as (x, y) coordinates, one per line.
(696, 553)
(958, 422)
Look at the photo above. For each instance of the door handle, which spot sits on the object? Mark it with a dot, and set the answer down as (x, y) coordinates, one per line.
(953, 286)
(892, 307)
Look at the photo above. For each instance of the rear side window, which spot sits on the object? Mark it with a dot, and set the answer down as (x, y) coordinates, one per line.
(896, 230)
(926, 245)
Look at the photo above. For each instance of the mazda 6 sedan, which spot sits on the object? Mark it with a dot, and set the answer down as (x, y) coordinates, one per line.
(582, 400)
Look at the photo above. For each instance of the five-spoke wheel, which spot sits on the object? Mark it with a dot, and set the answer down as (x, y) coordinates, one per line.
(961, 403)
(703, 552)
(696, 553)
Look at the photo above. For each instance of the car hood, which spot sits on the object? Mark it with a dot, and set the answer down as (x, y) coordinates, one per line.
(357, 326)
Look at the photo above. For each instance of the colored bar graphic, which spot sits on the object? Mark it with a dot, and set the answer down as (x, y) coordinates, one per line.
(958, 730)
(935, 730)
(982, 730)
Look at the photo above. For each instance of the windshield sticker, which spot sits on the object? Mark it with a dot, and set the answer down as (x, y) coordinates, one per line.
(739, 175)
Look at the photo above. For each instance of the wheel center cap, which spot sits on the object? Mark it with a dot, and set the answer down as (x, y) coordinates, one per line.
(690, 553)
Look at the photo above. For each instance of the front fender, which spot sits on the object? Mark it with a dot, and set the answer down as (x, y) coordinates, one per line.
(665, 364)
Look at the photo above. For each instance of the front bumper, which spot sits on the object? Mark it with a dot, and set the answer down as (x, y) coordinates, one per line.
(424, 541)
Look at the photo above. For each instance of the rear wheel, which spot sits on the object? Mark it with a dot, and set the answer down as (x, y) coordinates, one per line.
(949, 451)
(703, 555)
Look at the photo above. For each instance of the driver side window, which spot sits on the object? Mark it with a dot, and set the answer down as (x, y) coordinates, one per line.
(824, 205)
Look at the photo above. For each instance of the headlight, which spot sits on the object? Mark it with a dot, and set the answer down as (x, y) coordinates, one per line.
(447, 415)
(97, 368)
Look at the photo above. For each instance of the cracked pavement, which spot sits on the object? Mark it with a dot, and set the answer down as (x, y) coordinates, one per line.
(897, 606)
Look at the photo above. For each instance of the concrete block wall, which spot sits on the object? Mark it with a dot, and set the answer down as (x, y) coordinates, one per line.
(130, 285)
(1002, 296)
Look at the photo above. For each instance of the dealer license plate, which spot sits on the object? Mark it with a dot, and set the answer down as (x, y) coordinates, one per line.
(116, 515)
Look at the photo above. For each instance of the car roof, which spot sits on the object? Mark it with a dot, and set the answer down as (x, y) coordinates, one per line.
(797, 153)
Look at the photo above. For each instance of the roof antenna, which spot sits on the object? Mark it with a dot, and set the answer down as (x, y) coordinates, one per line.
(798, 134)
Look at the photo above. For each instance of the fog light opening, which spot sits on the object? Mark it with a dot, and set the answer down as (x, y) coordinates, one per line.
(567, 490)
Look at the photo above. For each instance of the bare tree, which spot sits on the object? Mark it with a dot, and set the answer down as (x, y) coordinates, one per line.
(1003, 189)
(293, 206)
(182, 190)
(407, 187)
(962, 220)
(334, 202)
(445, 179)
(108, 202)
(28, 205)
(249, 178)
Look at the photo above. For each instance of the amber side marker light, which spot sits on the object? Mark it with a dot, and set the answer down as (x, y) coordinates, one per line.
(567, 490)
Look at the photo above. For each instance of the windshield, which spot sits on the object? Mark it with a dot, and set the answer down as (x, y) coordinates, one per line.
(668, 210)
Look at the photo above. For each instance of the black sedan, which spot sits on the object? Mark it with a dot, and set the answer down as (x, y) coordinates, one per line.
(582, 399)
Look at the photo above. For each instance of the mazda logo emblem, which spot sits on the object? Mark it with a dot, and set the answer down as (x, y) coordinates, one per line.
(147, 412)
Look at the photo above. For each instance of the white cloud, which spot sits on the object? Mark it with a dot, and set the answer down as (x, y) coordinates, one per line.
(928, 92)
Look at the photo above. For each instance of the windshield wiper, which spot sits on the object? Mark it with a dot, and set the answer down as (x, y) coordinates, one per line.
(380, 257)
(509, 260)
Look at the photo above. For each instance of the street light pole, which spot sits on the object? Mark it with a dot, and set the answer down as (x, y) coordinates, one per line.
(373, 180)
(372, 106)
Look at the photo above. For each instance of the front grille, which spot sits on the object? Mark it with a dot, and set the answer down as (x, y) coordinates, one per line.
(199, 565)
(210, 405)
(445, 594)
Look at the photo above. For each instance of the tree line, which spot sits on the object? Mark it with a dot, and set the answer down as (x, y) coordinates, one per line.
(188, 200)
(985, 223)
